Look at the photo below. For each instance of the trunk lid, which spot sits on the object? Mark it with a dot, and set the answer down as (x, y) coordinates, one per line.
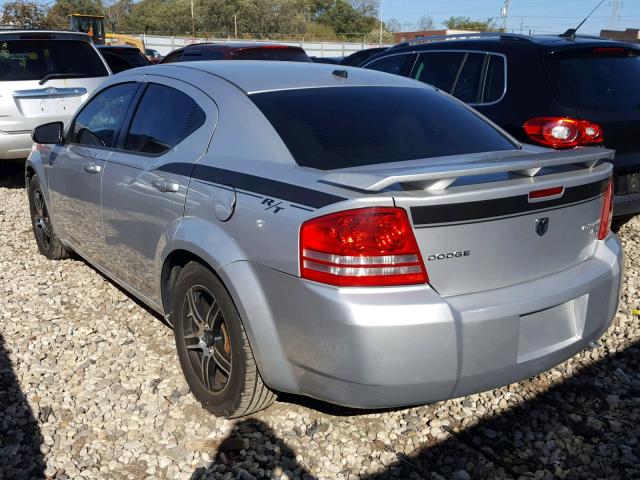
(477, 227)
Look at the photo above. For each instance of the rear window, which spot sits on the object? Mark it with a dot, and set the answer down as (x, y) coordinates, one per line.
(602, 81)
(34, 59)
(328, 128)
(271, 53)
(134, 57)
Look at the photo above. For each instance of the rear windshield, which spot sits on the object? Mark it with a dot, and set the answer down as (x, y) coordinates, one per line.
(134, 57)
(328, 128)
(271, 53)
(34, 59)
(602, 81)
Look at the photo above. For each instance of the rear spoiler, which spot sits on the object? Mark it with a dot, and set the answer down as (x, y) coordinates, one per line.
(432, 175)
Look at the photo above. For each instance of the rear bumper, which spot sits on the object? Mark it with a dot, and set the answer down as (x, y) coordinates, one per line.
(397, 346)
(15, 145)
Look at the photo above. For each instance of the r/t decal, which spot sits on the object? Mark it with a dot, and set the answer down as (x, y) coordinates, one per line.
(272, 204)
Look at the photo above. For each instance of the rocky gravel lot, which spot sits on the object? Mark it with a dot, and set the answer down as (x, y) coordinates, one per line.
(90, 388)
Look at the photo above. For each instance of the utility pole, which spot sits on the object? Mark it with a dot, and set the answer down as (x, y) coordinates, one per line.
(521, 25)
(380, 22)
(193, 22)
(614, 18)
(504, 13)
(235, 25)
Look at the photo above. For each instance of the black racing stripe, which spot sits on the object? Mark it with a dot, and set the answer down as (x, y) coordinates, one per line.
(500, 207)
(253, 183)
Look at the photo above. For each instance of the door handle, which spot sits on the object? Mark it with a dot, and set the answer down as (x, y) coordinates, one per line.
(91, 167)
(164, 185)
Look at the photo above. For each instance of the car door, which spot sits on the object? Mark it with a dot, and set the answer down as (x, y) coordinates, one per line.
(146, 179)
(75, 172)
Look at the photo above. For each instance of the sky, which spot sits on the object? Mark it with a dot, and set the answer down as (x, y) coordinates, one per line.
(541, 16)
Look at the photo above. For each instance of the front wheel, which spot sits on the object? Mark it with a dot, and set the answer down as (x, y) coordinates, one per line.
(47, 240)
(213, 347)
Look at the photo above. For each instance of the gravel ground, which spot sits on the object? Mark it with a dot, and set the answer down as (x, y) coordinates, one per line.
(90, 387)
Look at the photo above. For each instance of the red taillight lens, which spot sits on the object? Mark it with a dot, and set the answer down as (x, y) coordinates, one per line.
(363, 247)
(607, 211)
(559, 132)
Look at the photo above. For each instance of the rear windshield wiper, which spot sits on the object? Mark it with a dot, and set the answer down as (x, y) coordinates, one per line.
(48, 77)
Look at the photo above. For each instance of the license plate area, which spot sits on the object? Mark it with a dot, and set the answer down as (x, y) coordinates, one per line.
(546, 331)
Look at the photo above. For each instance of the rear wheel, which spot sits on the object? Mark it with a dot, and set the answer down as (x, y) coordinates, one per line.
(213, 347)
(47, 240)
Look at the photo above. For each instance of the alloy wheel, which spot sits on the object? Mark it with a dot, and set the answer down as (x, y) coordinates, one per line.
(207, 338)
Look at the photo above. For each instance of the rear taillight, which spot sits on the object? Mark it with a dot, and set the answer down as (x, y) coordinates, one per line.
(607, 210)
(363, 247)
(560, 132)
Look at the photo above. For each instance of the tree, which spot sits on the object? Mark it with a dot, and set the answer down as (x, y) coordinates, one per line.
(425, 23)
(24, 14)
(393, 25)
(465, 23)
(115, 11)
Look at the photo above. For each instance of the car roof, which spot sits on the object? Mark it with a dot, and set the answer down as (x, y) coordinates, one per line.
(238, 45)
(43, 35)
(116, 47)
(253, 76)
(507, 40)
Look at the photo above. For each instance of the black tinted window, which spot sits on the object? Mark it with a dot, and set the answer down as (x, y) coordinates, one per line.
(271, 53)
(494, 82)
(172, 57)
(467, 86)
(600, 81)
(99, 122)
(330, 128)
(393, 64)
(34, 59)
(195, 55)
(165, 116)
(438, 69)
(119, 60)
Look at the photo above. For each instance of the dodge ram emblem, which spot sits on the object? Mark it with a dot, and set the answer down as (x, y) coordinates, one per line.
(542, 225)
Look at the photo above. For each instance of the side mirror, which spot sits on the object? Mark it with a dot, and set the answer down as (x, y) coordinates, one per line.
(48, 133)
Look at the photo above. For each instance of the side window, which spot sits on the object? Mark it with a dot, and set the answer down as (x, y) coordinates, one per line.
(99, 122)
(172, 57)
(467, 86)
(438, 69)
(393, 64)
(164, 117)
(494, 83)
(192, 55)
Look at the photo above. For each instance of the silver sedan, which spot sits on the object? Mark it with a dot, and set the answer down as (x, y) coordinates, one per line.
(345, 234)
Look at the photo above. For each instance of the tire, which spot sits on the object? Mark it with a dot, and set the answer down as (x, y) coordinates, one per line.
(618, 222)
(213, 337)
(48, 242)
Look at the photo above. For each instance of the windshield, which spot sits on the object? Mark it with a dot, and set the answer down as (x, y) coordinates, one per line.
(328, 128)
(597, 81)
(271, 53)
(34, 59)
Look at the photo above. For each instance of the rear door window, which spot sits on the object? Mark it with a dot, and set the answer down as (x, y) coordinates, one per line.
(164, 117)
(467, 84)
(100, 121)
(34, 59)
(600, 78)
(395, 64)
(439, 69)
(172, 57)
(329, 128)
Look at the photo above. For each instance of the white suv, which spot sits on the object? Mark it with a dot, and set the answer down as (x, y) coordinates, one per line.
(44, 77)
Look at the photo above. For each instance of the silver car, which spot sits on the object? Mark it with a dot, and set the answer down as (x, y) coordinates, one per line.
(44, 76)
(345, 234)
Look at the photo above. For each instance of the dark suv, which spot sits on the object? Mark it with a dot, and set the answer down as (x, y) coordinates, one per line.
(554, 91)
(237, 51)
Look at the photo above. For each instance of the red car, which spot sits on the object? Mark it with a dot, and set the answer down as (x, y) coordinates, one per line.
(237, 51)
